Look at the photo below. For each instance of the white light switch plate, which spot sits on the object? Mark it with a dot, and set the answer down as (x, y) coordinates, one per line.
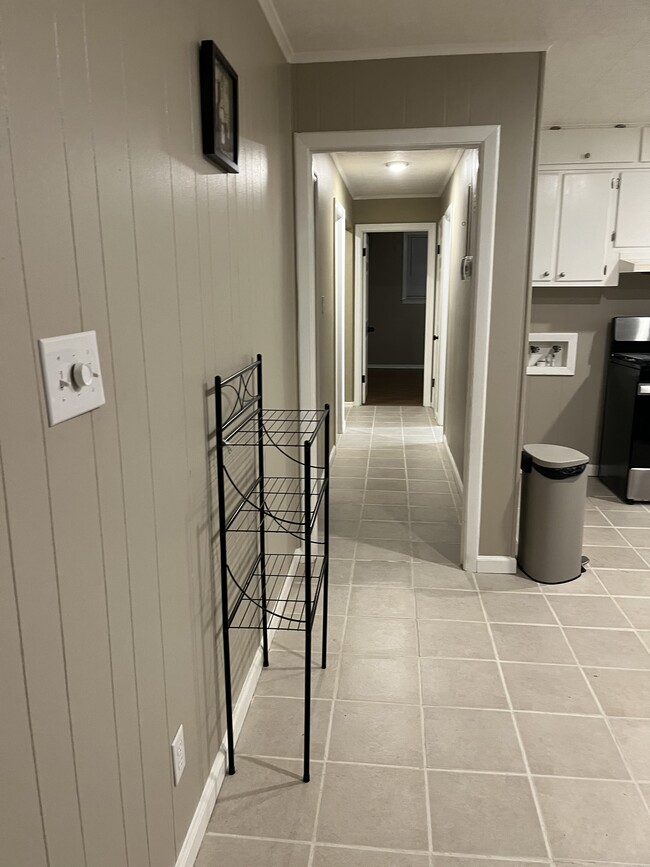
(67, 396)
(178, 755)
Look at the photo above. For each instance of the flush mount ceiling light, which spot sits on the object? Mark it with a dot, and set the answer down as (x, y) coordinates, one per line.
(396, 166)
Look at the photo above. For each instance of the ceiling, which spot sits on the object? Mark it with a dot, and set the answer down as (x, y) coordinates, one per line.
(366, 176)
(598, 64)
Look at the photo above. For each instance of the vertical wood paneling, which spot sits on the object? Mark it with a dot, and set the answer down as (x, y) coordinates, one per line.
(24, 839)
(111, 219)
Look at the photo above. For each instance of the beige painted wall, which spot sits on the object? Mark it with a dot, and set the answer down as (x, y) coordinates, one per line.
(397, 210)
(568, 409)
(458, 91)
(330, 187)
(461, 293)
(398, 337)
(110, 219)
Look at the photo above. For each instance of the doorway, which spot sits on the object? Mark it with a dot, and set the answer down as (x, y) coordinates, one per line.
(486, 140)
(394, 313)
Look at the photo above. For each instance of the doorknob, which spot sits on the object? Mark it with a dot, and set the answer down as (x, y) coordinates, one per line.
(370, 329)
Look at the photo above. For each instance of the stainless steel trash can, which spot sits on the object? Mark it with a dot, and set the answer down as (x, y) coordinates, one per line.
(553, 496)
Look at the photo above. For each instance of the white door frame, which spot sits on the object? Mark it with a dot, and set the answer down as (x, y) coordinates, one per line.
(486, 138)
(339, 315)
(441, 316)
(360, 300)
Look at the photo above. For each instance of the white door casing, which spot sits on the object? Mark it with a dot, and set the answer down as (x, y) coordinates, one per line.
(441, 315)
(339, 315)
(487, 139)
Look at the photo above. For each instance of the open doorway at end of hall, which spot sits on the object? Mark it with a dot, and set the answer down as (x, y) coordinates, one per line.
(397, 283)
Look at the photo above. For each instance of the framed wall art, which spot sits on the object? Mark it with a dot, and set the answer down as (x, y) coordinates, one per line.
(219, 108)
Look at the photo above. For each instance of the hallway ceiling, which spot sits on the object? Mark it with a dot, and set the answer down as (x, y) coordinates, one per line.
(366, 176)
(598, 65)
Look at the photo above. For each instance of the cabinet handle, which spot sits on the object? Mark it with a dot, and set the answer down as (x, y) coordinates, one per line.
(546, 274)
(587, 156)
(562, 274)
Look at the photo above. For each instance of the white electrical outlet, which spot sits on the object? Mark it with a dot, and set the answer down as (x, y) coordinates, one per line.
(178, 755)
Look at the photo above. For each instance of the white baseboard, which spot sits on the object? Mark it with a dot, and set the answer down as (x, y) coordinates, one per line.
(199, 824)
(593, 469)
(454, 468)
(496, 565)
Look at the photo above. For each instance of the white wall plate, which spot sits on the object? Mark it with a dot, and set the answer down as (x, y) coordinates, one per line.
(552, 354)
(72, 377)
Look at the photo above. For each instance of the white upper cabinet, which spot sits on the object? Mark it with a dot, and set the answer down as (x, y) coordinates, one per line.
(547, 212)
(588, 146)
(633, 215)
(586, 222)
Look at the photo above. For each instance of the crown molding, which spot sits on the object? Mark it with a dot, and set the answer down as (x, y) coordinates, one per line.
(277, 28)
(415, 51)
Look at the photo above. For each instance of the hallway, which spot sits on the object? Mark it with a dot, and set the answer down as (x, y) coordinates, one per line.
(455, 721)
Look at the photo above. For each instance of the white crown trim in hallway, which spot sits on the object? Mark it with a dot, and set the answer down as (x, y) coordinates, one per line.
(199, 824)
(486, 138)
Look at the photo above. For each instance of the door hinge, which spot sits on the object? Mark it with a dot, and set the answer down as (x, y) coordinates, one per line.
(363, 378)
(613, 236)
(433, 383)
(605, 270)
(365, 251)
(438, 249)
(616, 183)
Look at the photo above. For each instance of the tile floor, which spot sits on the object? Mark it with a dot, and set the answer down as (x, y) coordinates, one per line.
(463, 720)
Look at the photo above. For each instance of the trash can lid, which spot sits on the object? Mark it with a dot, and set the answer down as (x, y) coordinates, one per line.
(555, 456)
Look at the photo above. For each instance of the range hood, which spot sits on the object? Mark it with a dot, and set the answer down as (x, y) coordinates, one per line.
(637, 262)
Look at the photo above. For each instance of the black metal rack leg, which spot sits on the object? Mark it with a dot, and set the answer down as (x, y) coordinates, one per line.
(308, 617)
(326, 537)
(262, 529)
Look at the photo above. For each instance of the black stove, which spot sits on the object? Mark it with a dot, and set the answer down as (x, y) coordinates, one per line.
(625, 444)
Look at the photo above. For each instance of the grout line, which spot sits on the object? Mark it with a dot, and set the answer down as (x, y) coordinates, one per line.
(533, 791)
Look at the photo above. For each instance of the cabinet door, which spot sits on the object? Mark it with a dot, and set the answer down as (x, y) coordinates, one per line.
(633, 219)
(585, 227)
(547, 210)
(589, 145)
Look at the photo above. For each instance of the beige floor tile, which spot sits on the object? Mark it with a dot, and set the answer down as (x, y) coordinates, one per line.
(454, 638)
(382, 602)
(621, 693)
(448, 530)
(507, 583)
(453, 861)
(375, 472)
(461, 683)
(389, 549)
(269, 795)
(428, 485)
(342, 549)
(347, 511)
(595, 820)
(447, 553)
(486, 814)
(638, 537)
(530, 643)
(338, 596)
(517, 608)
(372, 733)
(637, 611)
(601, 557)
(274, 727)
(346, 484)
(629, 518)
(423, 498)
(604, 536)
(381, 636)
(386, 484)
(471, 740)
(610, 648)
(644, 635)
(587, 611)
(645, 791)
(294, 640)
(437, 576)
(343, 496)
(340, 571)
(586, 584)
(342, 529)
(448, 605)
(285, 676)
(382, 573)
(338, 856)
(633, 736)
(611, 503)
(372, 678)
(371, 806)
(570, 746)
(594, 518)
(395, 498)
(550, 688)
(389, 512)
(379, 460)
(245, 851)
(620, 582)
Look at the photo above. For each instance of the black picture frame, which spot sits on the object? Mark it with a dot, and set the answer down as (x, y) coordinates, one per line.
(219, 108)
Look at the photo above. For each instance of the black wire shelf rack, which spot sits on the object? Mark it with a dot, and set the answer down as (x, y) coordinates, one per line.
(262, 590)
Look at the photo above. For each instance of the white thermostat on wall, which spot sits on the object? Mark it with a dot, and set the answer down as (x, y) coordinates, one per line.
(72, 377)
